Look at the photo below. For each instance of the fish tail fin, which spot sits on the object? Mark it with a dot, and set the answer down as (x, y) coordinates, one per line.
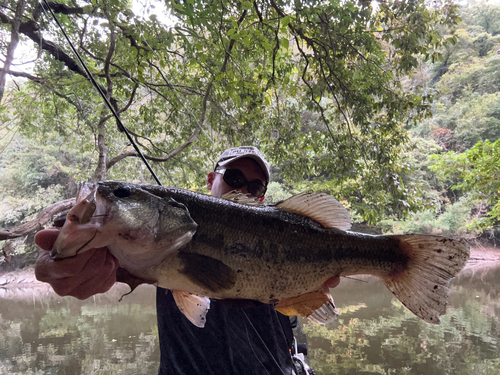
(424, 286)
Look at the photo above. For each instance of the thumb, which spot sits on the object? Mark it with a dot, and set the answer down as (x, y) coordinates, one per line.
(46, 238)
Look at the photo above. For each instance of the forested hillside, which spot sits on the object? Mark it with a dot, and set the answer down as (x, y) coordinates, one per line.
(401, 123)
(456, 158)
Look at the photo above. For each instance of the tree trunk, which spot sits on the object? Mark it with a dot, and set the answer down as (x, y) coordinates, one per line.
(11, 48)
(100, 170)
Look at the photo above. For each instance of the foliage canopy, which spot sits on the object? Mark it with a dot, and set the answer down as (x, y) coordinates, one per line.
(316, 85)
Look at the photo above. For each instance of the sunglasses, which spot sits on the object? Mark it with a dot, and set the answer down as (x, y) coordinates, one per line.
(236, 179)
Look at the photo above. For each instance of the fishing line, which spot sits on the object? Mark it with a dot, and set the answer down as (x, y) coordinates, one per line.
(94, 83)
(251, 346)
(262, 341)
(353, 278)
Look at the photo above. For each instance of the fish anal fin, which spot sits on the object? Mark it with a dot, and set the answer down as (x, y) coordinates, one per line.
(192, 306)
(317, 306)
(424, 286)
(322, 208)
(207, 272)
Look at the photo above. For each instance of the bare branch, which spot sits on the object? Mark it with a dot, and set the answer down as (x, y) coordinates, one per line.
(37, 224)
(111, 51)
(132, 96)
(120, 157)
(257, 10)
(162, 75)
(57, 8)
(26, 75)
(68, 99)
(54, 50)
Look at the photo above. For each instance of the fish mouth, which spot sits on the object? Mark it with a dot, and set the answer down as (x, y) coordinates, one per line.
(82, 223)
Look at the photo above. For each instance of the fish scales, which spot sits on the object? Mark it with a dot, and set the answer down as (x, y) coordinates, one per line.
(288, 255)
(198, 244)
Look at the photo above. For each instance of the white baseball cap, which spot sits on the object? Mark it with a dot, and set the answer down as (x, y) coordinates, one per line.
(236, 153)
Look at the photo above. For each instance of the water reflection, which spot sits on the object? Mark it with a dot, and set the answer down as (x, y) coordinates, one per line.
(41, 333)
(376, 334)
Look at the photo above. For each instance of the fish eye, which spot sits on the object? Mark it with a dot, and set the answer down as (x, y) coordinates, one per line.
(122, 192)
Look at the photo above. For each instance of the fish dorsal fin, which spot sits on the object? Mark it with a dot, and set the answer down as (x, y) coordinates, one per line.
(322, 208)
(193, 307)
(237, 196)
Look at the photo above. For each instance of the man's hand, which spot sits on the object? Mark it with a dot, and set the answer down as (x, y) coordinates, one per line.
(82, 276)
(332, 282)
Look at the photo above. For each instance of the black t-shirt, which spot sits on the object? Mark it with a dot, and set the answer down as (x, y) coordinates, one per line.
(230, 342)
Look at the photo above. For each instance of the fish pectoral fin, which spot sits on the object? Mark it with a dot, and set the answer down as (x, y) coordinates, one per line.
(193, 307)
(322, 208)
(207, 272)
(317, 306)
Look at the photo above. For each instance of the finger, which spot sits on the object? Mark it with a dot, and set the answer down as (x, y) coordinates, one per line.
(89, 274)
(102, 281)
(332, 282)
(109, 282)
(46, 238)
(47, 269)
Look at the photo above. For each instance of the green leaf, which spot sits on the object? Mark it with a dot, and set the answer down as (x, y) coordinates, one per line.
(247, 5)
(285, 21)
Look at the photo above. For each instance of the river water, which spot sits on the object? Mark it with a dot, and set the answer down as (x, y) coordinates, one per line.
(42, 333)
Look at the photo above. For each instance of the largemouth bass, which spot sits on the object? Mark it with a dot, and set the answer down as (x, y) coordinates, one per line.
(200, 246)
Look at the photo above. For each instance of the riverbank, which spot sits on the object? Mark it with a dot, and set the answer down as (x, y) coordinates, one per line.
(483, 255)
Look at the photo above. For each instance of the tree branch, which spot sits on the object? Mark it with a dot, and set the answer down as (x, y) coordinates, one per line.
(30, 29)
(26, 75)
(120, 157)
(132, 96)
(57, 8)
(54, 50)
(38, 223)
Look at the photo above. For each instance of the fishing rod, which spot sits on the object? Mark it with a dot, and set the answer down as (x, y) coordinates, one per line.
(94, 83)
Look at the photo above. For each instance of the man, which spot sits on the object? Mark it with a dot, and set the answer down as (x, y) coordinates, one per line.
(240, 337)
